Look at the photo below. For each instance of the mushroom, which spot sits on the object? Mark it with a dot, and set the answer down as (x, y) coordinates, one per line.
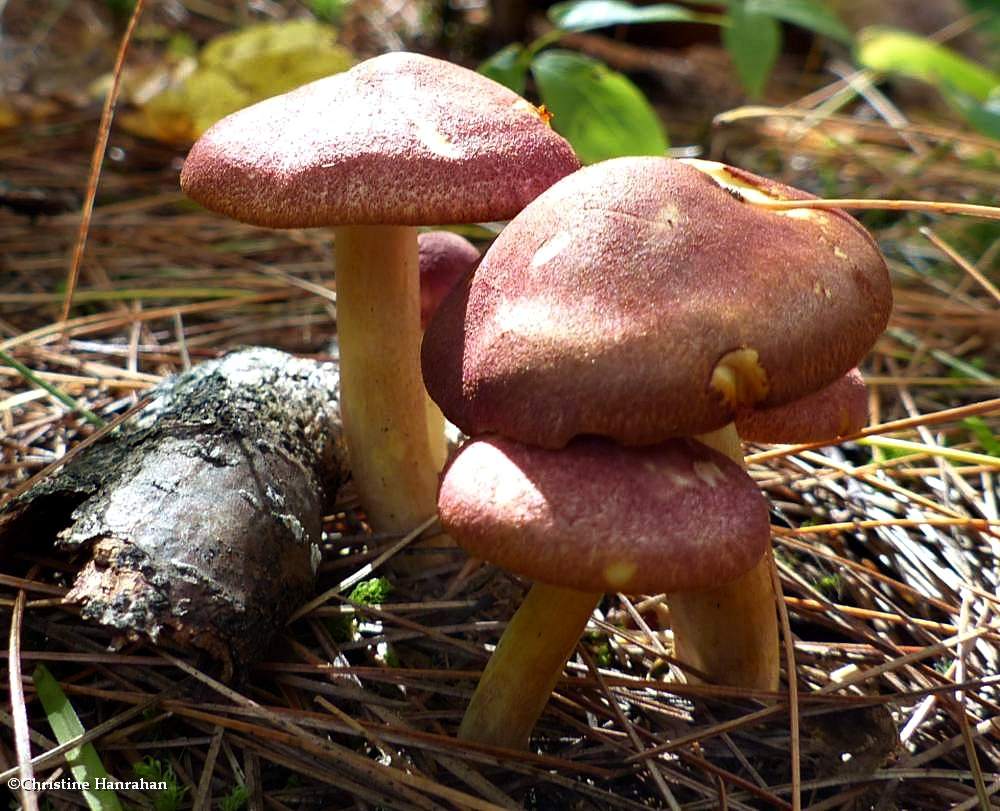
(646, 298)
(699, 618)
(832, 412)
(592, 517)
(445, 259)
(398, 141)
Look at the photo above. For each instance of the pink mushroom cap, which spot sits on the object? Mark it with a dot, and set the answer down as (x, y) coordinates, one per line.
(598, 516)
(835, 411)
(401, 139)
(609, 304)
(445, 259)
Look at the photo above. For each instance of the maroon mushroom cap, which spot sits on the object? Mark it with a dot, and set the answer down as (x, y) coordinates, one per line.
(642, 299)
(597, 516)
(445, 259)
(401, 139)
(835, 411)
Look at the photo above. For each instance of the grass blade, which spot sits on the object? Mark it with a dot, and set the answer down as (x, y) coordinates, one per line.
(84, 762)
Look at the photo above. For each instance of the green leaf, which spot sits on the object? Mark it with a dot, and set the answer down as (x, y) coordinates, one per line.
(891, 51)
(812, 15)
(84, 762)
(598, 110)
(978, 427)
(509, 67)
(329, 11)
(984, 117)
(584, 15)
(753, 41)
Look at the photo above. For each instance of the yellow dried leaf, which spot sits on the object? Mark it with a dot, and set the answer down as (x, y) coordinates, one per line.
(8, 116)
(234, 71)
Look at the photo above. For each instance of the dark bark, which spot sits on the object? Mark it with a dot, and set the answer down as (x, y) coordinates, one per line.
(202, 514)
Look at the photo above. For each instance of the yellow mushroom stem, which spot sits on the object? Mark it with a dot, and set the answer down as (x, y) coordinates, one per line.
(524, 668)
(394, 460)
(729, 633)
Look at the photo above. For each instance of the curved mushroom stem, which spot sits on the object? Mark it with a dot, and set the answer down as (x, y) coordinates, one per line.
(524, 668)
(382, 392)
(730, 633)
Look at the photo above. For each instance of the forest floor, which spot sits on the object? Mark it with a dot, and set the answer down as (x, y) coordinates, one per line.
(888, 553)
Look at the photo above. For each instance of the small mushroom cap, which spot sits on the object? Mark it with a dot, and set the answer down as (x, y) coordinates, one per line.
(641, 299)
(445, 259)
(598, 516)
(401, 139)
(835, 411)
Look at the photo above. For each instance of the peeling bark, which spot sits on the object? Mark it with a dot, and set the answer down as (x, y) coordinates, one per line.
(202, 514)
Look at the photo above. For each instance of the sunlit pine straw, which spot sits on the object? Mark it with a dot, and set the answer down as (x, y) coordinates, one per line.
(846, 526)
(253, 737)
(866, 475)
(965, 209)
(18, 708)
(932, 418)
(937, 133)
(961, 262)
(97, 159)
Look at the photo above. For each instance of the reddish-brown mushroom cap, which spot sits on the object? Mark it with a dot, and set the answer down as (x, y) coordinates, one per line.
(445, 259)
(640, 299)
(401, 139)
(597, 516)
(835, 411)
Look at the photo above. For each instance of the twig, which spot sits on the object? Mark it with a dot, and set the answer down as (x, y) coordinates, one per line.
(203, 799)
(97, 160)
(60, 395)
(74, 451)
(793, 686)
(946, 415)
(928, 207)
(961, 261)
(20, 712)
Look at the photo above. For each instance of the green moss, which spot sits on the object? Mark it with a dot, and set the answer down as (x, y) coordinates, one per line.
(371, 592)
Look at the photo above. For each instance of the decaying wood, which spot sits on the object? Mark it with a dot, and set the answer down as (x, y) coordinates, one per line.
(202, 514)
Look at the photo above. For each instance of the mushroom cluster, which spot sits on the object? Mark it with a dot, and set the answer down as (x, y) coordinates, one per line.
(399, 141)
(648, 302)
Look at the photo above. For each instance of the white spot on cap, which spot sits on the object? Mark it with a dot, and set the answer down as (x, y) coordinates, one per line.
(524, 317)
(510, 488)
(709, 473)
(678, 479)
(436, 141)
(551, 249)
(839, 253)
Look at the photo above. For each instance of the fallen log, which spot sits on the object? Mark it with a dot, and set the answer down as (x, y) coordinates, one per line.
(202, 514)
